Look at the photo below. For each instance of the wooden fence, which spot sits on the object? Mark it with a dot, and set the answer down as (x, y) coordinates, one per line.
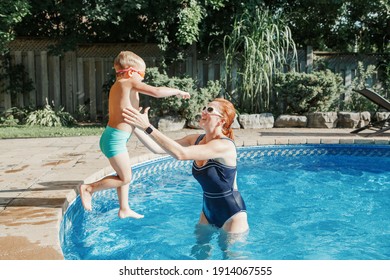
(77, 78)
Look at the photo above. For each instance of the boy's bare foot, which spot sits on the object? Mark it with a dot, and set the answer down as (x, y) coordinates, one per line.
(128, 213)
(86, 197)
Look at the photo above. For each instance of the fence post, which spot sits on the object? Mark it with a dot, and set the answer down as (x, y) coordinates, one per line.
(199, 65)
(80, 82)
(44, 78)
(108, 72)
(211, 71)
(222, 72)
(68, 83)
(195, 67)
(100, 73)
(92, 88)
(6, 102)
(73, 85)
(32, 95)
(348, 76)
(189, 67)
(19, 95)
(56, 70)
(309, 59)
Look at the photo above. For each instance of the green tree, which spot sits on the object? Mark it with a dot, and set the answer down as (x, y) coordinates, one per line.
(176, 24)
(351, 25)
(189, 18)
(72, 22)
(170, 23)
(173, 24)
(11, 12)
(367, 25)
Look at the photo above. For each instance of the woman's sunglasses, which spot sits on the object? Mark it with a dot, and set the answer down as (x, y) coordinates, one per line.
(141, 73)
(211, 111)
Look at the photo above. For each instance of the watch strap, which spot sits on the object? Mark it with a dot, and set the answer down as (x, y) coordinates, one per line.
(149, 130)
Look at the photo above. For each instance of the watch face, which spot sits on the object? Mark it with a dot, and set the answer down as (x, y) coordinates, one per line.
(149, 130)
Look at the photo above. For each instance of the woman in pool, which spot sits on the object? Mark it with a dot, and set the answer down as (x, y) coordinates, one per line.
(215, 162)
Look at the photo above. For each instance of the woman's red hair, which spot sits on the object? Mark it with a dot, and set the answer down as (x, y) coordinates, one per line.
(229, 114)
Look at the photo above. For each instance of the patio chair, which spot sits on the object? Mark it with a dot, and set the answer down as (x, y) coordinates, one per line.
(379, 126)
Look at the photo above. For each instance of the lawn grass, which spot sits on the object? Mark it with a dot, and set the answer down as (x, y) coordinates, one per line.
(22, 131)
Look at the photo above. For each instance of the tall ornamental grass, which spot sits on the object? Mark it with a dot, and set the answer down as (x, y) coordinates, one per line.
(259, 44)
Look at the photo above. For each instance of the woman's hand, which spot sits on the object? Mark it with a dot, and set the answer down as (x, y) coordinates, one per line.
(134, 117)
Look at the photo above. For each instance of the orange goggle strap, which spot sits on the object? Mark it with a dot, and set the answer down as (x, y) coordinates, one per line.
(142, 74)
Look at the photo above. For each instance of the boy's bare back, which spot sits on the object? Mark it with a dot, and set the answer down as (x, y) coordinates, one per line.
(121, 96)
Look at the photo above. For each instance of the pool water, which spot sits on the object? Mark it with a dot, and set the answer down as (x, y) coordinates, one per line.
(318, 202)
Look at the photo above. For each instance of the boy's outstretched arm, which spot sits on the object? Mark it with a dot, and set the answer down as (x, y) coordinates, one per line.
(159, 92)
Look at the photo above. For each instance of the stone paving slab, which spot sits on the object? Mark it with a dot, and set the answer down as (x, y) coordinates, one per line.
(39, 179)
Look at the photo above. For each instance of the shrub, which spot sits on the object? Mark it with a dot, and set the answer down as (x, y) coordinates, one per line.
(185, 108)
(66, 118)
(353, 101)
(301, 93)
(14, 116)
(82, 113)
(49, 117)
(16, 77)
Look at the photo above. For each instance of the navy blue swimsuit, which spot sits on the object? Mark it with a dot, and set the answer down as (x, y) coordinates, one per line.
(220, 200)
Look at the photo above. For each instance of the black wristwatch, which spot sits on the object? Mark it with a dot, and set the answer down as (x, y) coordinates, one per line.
(149, 130)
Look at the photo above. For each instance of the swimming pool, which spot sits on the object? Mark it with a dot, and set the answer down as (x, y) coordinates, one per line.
(317, 202)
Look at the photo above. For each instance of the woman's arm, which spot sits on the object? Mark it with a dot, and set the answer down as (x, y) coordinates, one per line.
(184, 149)
(148, 142)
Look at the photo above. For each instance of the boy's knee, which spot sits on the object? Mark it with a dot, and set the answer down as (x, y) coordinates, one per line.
(126, 179)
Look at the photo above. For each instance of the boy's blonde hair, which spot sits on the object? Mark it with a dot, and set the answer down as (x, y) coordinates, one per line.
(126, 59)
